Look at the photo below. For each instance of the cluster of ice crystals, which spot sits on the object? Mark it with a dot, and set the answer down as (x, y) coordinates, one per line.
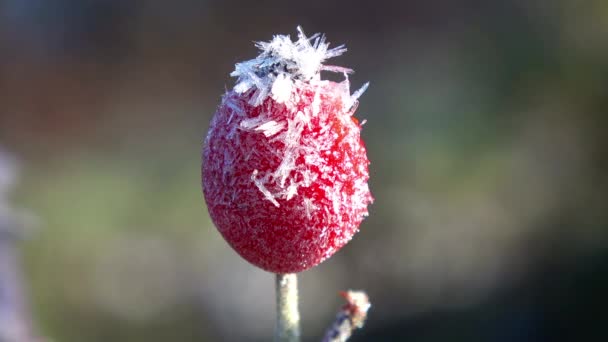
(283, 67)
(283, 62)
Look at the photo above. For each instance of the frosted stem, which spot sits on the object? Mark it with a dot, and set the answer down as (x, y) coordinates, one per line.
(288, 316)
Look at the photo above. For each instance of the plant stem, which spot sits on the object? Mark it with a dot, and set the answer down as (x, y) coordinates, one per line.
(288, 316)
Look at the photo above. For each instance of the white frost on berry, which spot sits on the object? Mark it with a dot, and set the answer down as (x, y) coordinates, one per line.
(260, 184)
(281, 89)
(357, 94)
(263, 125)
(283, 62)
(282, 70)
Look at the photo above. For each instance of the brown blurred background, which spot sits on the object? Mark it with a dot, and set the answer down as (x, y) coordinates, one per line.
(486, 131)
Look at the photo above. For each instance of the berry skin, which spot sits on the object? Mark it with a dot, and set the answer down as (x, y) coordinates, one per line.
(284, 168)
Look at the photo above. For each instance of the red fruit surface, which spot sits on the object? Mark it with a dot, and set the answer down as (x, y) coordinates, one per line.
(285, 175)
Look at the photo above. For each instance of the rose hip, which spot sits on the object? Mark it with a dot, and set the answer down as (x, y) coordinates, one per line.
(284, 168)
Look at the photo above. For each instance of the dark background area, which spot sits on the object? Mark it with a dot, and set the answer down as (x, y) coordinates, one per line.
(486, 128)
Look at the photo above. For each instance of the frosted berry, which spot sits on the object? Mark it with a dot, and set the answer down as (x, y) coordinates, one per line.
(284, 168)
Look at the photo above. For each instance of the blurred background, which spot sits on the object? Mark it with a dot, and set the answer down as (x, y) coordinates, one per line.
(486, 128)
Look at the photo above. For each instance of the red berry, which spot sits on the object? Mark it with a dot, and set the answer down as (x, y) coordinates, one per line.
(284, 168)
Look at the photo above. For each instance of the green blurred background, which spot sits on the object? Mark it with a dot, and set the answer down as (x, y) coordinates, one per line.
(486, 128)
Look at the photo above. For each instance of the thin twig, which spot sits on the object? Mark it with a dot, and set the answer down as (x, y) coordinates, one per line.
(350, 317)
(288, 316)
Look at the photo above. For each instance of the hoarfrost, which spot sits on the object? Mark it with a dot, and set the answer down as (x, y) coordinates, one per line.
(355, 96)
(260, 184)
(282, 62)
(309, 207)
(279, 71)
(281, 89)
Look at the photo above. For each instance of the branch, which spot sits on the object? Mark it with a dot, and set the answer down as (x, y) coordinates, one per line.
(350, 317)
